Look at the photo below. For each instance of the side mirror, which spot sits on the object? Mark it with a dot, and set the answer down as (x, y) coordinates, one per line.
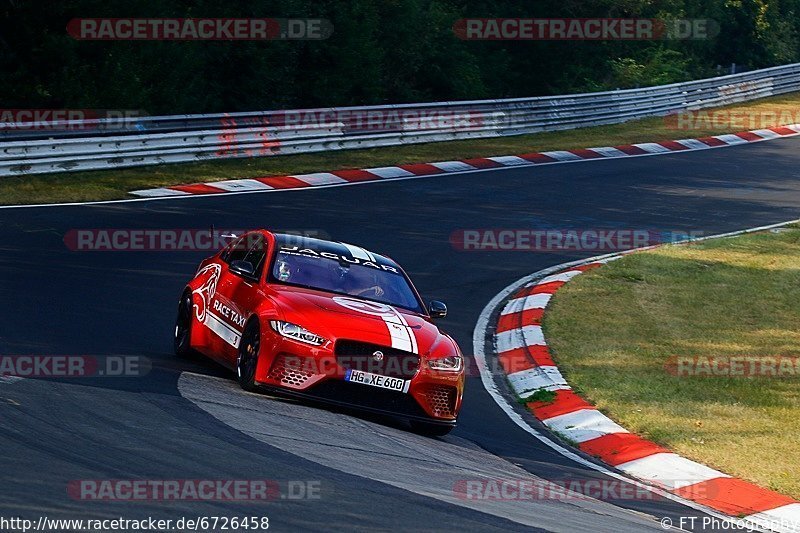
(243, 268)
(437, 309)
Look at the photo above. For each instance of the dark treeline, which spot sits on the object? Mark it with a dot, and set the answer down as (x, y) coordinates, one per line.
(382, 51)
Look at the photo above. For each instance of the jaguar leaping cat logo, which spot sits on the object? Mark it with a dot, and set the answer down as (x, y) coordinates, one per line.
(208, 288)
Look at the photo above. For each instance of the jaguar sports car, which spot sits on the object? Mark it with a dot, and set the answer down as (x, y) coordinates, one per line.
(326, 321)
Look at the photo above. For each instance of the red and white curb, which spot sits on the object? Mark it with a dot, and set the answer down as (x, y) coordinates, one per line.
(350, 176)
(522, 351)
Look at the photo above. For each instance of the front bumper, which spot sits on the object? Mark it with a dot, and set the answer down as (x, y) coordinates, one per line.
(315, 373)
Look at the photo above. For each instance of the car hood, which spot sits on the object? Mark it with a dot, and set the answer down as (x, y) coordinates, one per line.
(346, 317)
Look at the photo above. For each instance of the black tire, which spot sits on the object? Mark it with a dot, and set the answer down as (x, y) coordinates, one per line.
(247, 361)
(183, 327)
(430, 430)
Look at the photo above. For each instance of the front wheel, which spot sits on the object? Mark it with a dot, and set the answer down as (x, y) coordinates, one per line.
(430, 430)
(247, 361)
(183, 327)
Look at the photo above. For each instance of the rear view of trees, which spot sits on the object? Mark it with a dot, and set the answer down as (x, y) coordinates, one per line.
(381, 51)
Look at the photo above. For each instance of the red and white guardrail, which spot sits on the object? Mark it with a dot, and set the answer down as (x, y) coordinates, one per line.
(352, 176)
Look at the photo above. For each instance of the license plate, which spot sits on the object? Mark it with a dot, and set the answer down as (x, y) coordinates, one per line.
(376, 380)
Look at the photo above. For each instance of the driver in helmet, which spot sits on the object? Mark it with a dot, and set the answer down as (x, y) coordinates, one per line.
(284, 270)
(360, 282)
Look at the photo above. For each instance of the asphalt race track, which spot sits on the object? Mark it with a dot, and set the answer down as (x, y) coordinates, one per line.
(189, 419)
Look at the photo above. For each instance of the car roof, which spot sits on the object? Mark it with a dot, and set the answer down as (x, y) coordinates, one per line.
(285, 240)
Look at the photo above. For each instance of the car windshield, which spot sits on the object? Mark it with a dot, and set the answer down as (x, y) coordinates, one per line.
(377, 283)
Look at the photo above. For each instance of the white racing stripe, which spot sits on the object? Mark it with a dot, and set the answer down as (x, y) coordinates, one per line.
(402, 335)
(358, 252)
(415, 347)
(399, 335)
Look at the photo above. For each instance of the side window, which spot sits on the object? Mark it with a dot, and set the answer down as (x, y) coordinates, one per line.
(257, 254)
(237, 251)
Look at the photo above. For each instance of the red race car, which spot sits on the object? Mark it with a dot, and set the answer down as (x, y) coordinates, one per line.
(325, 321)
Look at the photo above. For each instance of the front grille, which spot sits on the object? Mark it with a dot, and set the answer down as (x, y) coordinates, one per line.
(288, 374)
(441, 400)
(358, 395)
(361, 356)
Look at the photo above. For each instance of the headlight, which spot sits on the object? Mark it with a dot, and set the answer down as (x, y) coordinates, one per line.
(453, 363)
(297, 333)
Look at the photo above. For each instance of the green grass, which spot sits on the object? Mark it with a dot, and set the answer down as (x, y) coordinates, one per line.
(613, 329)
(541, 395)
(115, 184)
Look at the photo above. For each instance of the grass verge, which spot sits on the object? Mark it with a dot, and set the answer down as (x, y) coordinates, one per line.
(115, 184)
(613, 331)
